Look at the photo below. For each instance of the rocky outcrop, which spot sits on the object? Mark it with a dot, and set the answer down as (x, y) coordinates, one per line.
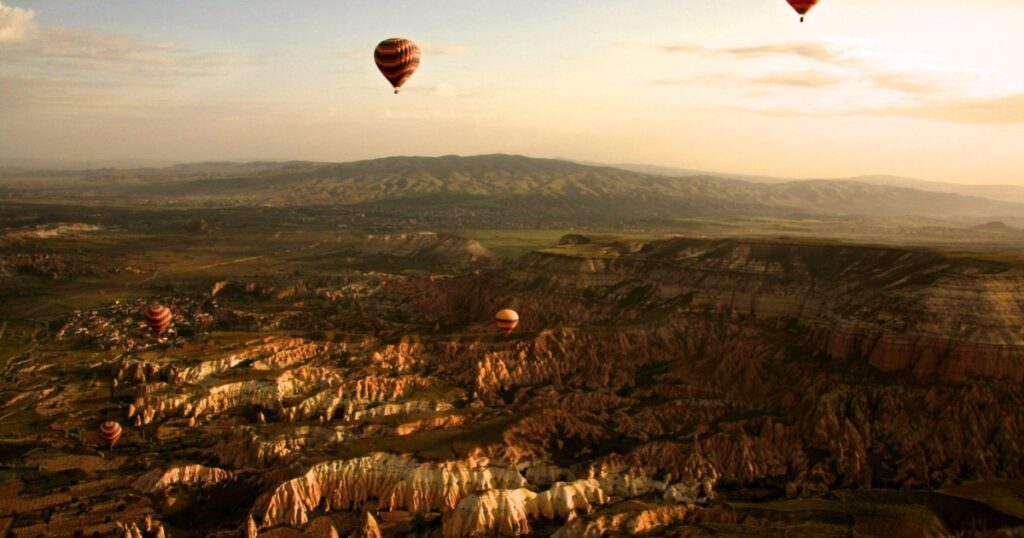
(507, 512)
(184, 475)
(426, 424)
(274, 353)
(321, 527)
(543, 474)
(363, 391)
(566, 357)
(950, 318)
(492, 513)
(539, 434)
(149, 528)
(389, 409)
(630, 523)
(49, 231)
(425, 246)
(925, 356)
(141, 372)
(367, 527)
(574, 239)
(268, 391)
(249, 529)
(215, 400)
(397, 482)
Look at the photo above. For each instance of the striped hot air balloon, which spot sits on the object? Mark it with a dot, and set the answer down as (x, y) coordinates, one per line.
(397, 60)
(506, 320)
(110, 432)
(802, 6)
(158, 317)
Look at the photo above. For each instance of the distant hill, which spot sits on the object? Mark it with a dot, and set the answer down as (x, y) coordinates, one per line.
(1003, 193)
(512, 187)
(994, 226)
(688, 172)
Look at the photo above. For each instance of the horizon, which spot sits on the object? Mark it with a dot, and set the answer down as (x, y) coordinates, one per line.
(130, 164)
(723, 86)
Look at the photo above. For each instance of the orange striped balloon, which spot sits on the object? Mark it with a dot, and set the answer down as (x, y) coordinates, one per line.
(802, 6)
(158, 317)
(506, 320)
(110, 432)
(397, 60)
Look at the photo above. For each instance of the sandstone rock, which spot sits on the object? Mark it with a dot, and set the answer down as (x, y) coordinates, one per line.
(436, 423)
(186, 475)
(367, 528)
(321, 527)
(630, 523)
(364, 390)
(507, 512)
(249, 529)
(397, 482)
(492, 513)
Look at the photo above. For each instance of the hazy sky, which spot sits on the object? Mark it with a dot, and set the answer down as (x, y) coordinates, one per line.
(925, 88)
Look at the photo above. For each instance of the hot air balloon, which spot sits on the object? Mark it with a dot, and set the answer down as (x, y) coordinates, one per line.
(397, 60)
(802, 6)
(158, 317)
(506, 320)
(110, 432)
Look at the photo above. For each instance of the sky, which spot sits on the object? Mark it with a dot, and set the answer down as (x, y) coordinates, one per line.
(922, 88)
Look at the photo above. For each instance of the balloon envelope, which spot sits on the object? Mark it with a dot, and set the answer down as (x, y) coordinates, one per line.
(802, 6)
(158, 317)
(397, 60)
(506, 320)
(110, 432)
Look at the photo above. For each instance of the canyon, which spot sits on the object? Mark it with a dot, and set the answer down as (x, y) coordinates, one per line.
(674, 386)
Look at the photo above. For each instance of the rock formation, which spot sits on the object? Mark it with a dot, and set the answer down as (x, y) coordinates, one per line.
(367, 528)
(425, 246)
(629, 523)
(249, 530)
(651, 386)
(185, 475)
(397, 482)
(507, 512)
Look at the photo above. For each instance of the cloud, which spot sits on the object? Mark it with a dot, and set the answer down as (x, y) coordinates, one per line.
(45, 51)
(683, 49)
(855, 62)
(1002, 110)
(802, 79)
(15, 23)
(853, 78)
(808, 50)
(671, 81)
(904, 82)
(810, 78)
(811, 51)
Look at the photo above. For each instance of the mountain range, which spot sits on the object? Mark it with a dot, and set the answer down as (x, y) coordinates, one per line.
(513, 185)
(1001, 192)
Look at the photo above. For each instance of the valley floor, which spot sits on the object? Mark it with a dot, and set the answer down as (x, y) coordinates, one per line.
(326, 378)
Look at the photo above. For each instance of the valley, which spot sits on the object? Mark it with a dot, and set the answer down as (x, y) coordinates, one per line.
(335, 371)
